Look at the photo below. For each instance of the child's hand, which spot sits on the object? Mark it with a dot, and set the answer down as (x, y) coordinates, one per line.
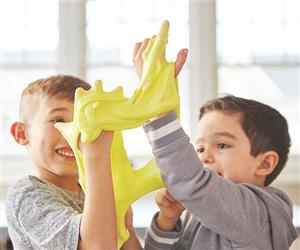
(138, 59)
(129, 220)
(132, 243)
(99, 147)
(170, 210)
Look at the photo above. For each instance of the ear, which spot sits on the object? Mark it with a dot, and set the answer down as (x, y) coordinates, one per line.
(17, 130)
(268, 162)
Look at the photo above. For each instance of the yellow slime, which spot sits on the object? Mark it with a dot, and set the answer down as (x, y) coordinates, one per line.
(96, 110)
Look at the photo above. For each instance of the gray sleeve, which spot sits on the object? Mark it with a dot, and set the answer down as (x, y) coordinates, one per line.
(157, 239)
(47, 220)
(229, 209)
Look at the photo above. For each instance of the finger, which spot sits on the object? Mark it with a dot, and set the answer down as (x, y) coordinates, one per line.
(163, 33)
(179, 206)
(161, 199)
(136, 49)
(151, 43)
(164, 28)
(158, 44)
(163, 202)
(164, 192)
(128, 218)
(142, 48)
(180, 61)
(129, 212)
(169, 196)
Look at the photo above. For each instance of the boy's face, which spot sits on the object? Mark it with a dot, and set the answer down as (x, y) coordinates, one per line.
(223, 146)
(51, 154)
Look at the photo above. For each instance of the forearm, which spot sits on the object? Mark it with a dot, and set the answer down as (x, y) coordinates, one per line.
(98, 226)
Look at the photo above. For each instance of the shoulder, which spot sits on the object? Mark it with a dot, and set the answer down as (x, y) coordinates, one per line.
(29, 185)
(274, 198)
(31, 193)
(24, 185)
(34, 208)
(281, 198)
(28, 181)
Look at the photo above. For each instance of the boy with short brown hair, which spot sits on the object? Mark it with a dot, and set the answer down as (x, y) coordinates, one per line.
(242, 145)
(49, 210)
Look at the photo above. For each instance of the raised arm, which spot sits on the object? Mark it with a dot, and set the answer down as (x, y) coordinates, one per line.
(98, 229)
(221, 205)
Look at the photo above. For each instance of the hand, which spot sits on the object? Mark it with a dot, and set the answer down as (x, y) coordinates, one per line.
(129, 220)
(132, 243)
(99, 147)
(138, 62)
(170, 210)
(138, 59)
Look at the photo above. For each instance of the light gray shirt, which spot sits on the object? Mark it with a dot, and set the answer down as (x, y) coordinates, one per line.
(41, 215)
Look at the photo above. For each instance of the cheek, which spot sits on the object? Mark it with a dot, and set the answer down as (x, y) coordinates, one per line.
(52, 135)
(231, 164)
(53, 132)
(49, 136)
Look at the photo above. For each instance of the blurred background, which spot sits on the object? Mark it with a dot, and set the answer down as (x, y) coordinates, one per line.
(249, 48)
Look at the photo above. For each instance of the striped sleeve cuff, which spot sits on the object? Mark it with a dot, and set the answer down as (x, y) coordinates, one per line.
(161, 239)
(164, 130)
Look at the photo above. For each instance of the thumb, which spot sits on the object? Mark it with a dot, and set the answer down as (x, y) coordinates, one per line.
(129, 218)
(180, 61)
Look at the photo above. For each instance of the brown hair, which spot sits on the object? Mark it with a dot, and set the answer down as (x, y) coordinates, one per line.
(61, 86)
(264, 126)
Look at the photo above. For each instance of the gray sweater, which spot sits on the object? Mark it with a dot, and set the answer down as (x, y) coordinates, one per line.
(41, 215)
(224, 214)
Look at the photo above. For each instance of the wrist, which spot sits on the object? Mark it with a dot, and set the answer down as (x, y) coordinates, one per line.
(159, 116)
(93, 154)
(166, 224)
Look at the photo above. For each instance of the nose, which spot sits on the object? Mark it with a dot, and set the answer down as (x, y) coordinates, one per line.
(207, 157)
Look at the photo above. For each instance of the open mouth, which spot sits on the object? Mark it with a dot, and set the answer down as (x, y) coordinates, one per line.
(65, 153)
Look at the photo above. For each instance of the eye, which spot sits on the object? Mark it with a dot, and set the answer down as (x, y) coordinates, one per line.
(57, 120)
(200, 150)
(222, 146)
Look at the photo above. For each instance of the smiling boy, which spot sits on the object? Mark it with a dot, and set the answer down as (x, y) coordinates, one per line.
(48, 210)
(52, 156)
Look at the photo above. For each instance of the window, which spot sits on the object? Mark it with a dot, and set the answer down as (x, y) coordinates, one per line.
(31, 48)
(45, 38)
(266, 32)
(29, 51)
(113, 27)
(258, 55)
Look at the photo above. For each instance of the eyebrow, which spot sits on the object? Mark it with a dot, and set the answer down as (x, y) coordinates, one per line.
(226, 134)
(58, 109)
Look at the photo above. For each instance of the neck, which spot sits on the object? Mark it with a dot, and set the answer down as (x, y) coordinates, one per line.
(259, 181)
(69, 183)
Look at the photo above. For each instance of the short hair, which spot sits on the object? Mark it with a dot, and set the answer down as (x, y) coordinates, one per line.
(60, 86)
(264, 126)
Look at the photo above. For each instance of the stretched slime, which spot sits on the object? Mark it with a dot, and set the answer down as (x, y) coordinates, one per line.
(96, 110)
